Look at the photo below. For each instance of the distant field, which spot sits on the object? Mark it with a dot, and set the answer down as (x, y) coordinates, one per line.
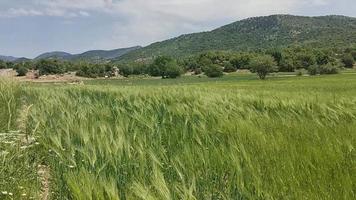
(189, 138)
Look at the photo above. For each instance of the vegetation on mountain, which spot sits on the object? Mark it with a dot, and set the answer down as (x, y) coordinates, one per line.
(258, 33)
(89, 56)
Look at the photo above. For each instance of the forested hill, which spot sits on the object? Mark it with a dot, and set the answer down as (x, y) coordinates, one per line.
(94, 55)
(258, 33)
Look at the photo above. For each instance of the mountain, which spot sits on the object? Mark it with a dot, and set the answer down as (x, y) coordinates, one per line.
(258, 33)
(103, 55)
(7, 58)
(55, 54)
(94, 55)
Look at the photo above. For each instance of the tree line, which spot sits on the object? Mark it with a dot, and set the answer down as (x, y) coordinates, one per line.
(212, 64)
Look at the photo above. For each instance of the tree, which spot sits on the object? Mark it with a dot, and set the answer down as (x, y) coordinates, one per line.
(173, 70)
(286, 65)
(50, 66)
(263, 65)
(228, 67)
(330, 68)
(3, 64)
(241, 61)
(304, 60)
(166, 67)
(21, 71)
(277, 55)
(313, 70)
(213, 71)
(348, 60)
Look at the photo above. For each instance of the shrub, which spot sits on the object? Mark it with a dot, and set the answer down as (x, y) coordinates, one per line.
(286, 65)
(329, 69)
(228, 67)
(126, 70)
(166, 67)
(348, 60)
(304, 60)
(22, 71)
(173, 70)
(241, 61)
(299, 73)
(50, 66)
(313, 70)
(197, 71)
(263, 65)
(3, 65)
(213, 71)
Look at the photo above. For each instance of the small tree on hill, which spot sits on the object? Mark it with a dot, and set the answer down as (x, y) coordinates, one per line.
(263, 65)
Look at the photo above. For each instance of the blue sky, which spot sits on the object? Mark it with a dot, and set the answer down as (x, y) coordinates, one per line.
(31, 27)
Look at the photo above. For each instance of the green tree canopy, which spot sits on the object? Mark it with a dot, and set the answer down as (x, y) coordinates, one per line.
(263, 65)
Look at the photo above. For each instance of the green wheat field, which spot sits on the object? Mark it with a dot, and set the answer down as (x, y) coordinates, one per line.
(190, 138)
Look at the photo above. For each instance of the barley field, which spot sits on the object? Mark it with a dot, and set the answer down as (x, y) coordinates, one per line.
(234, 138)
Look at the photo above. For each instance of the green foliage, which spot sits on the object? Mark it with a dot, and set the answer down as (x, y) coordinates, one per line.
(228, 67)
(348, 60)
(241, 61)
(304, 60)
(263, 65)
(329, 68)
(260, 33)
(3, 64)
(286, 65)
(313, 70)
(165, 67)
(51, 66)
(173, 70)
(22, 71)
(95, 70)
(213, 71)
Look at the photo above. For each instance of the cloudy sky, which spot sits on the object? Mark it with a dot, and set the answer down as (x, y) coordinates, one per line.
(31, 27)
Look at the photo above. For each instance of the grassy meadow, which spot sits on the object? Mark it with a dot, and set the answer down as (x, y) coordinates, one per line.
(190, 138)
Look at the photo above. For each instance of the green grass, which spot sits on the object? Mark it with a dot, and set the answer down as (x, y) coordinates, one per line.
(196, 138)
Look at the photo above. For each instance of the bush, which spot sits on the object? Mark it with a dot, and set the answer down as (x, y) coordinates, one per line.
(94, 70)
(329, 69)
(241, 61)
(348, 61)
(197, 71)
(228, 67)
(263, 65)
(50, 66)
(3, 65)
(173, 70)
(126, 70)
(286, 65)
(304, 60)
(213, 71)
(313, 70)
(166, 67)
(22, 71)
(299, 73)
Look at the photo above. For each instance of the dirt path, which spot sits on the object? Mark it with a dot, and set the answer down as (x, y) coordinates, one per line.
(44, 174)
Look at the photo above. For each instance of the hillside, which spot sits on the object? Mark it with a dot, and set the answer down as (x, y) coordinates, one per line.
(55, 54)
(7, 58)
(94, 55)
(102, 54)
(258, 33)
